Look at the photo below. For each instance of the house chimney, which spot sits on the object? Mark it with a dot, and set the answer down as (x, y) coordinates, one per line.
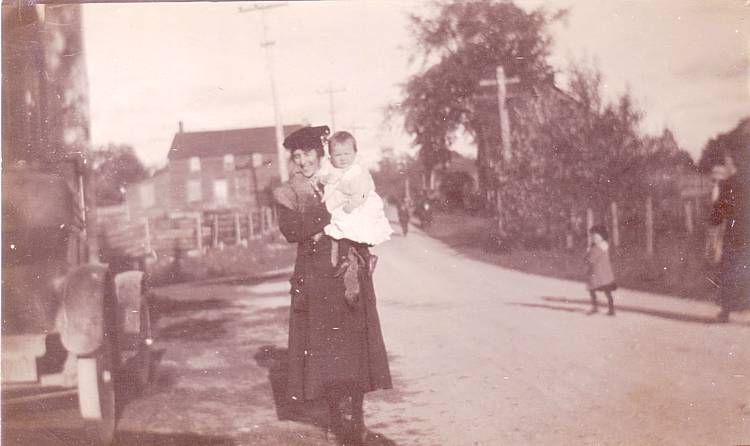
(181, 127)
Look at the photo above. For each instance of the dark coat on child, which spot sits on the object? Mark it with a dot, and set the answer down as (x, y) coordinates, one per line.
(333, 347)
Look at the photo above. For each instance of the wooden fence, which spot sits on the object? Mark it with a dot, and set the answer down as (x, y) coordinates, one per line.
(184, 231)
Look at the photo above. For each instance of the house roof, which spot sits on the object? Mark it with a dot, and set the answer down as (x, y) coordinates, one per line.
(221, 142)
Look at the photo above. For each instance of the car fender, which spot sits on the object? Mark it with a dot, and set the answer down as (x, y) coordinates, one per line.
(82, 321)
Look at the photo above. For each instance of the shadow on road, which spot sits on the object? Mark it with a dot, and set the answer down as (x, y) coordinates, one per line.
(682, 317)
(314, 412)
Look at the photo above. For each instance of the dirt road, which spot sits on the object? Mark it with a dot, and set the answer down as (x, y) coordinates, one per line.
(480, 356)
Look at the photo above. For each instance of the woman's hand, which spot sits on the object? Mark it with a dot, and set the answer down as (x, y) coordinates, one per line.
(316, 238)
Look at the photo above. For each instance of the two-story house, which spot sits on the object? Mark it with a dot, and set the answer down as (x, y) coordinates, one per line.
(211, 170)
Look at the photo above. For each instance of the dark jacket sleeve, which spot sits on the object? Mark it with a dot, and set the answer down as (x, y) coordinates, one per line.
(723, 208)
(297, 226)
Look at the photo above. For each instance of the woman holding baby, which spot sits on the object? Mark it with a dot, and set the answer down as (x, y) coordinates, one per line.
(336, 348)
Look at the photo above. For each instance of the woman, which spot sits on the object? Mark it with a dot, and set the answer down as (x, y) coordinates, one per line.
(733, 207)
(336, 348)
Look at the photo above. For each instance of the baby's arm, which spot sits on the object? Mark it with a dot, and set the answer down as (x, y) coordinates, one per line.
(359, 188)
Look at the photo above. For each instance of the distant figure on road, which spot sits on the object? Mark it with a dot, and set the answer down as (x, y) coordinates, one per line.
(358, 218)
(336, 348)
(403, 216)
(732, 209)
(599, 269)
(424, 212)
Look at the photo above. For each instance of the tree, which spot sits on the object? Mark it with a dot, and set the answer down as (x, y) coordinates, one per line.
(394, 174)
(734, 139)
(467, 40)
(114, 168)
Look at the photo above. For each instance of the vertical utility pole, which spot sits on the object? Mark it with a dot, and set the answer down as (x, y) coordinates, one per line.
(267, 45)
(331, 106)
(649, 226)
(505, 150)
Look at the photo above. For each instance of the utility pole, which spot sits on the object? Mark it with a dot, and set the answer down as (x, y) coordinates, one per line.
(505, 150)
(331, 107)
(267, 45)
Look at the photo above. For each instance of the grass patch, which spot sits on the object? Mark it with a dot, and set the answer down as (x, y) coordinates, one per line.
(677, 267)
(258, 257)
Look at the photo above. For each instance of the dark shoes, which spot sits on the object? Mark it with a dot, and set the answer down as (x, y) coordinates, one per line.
(595, 310)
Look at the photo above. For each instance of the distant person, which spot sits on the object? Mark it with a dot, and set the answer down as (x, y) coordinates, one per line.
(403, 217)
(336, 350)
(425, 212)
(599, 269)
(357, 213)
(731, 209)
(715, 234)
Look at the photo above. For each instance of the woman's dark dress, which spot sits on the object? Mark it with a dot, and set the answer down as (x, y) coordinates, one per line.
(332, 347)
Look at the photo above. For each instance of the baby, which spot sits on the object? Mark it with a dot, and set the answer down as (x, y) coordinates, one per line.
(357, 216)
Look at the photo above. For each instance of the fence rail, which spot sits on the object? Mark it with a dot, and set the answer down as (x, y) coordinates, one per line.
(185, 231)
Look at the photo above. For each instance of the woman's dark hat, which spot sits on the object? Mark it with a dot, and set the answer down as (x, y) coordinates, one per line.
(307, 138)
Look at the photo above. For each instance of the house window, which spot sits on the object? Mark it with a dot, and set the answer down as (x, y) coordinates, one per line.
(147, 196)
(228, 161)
(194, 190)
(257, 159)
(220, 191)
(195, 164)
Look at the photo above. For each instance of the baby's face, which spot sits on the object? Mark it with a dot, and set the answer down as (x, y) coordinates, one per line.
(342, 154)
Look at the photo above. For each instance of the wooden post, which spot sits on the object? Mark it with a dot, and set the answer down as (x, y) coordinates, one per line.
(269, 219)
(147, 246)
(589, 224)
(215, 241)
(505, 150)
(649, 227)
(262, 221)
(615, 225)
(250, 226)
(689, 216)
(571, 231)
(199, 231)
(502, 94)
(237, 229)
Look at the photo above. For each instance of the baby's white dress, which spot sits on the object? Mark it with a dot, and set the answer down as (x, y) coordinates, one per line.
(367, 222)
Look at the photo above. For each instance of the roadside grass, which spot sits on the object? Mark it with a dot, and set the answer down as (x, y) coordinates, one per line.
(677, 267)
(260, 256)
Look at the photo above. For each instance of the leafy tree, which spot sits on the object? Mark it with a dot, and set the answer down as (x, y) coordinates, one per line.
(460, 45)
(115, 167)
(713, 152)
(570, 150)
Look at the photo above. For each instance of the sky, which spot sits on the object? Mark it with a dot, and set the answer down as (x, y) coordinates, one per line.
(151, 65)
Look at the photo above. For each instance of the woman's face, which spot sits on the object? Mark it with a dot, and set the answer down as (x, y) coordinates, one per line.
(307, 161)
